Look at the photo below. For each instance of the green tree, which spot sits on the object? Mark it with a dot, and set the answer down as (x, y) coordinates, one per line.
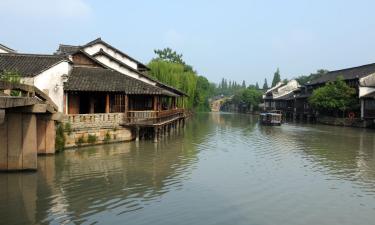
(276, 77)
(167, 54)
(265, 85)
(243, 84)
(12, 77)
(257, 86)
(333, 97)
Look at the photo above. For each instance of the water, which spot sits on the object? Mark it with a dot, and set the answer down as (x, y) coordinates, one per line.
(222, 169)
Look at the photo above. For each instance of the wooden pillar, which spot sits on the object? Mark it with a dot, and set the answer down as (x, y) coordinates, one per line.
(126, 104)
(65, 103)
(92, 105)
(362, 108)
(107, 103)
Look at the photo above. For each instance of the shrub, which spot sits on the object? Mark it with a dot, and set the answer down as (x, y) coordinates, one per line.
(60, 138)
(107, 137)
(68, 128)
(80, 141)
(92, 139)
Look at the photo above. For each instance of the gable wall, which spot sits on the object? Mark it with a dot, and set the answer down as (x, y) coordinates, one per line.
(96, 48)
(114, 65)
(82, 60)
(47, 80)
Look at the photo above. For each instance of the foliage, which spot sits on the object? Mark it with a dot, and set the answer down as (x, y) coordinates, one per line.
(168, 67)
(91, 138)
(257, 86)
(168, 55)
(107, 137)
(60, 138)
(276, 77)
(334, 96)
(304, 79)
(12, 77)
(265, 85)
(81, 140)
(248, 98)
(68, 128)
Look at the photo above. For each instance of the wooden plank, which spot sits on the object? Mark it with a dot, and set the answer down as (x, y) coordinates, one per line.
(14, 141)
(29, 145)
(107, 104)
(4, 145)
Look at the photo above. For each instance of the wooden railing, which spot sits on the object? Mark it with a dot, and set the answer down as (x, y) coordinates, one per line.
(111, 120)
(97, 120)
(137, 116)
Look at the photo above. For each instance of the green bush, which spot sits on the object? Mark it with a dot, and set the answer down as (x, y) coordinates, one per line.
(91, 139)
(68, 128)
(107, 137)
(81, 140)
(60, 138)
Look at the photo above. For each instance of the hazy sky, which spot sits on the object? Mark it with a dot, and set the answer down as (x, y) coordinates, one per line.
(239, 40)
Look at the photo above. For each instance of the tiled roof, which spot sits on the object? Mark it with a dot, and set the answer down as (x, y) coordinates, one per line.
(106, 80)
(28, 65)
(6, 48)
(66, 49)
(347, 74)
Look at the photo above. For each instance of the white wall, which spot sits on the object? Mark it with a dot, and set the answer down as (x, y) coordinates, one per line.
(47, 81)
(96, 48)
(116, 66)
(3, 51)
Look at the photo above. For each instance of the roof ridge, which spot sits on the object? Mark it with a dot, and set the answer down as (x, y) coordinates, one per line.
(350, 68)
(32, 54)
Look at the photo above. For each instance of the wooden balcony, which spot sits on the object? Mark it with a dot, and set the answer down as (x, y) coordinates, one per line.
(152, 118)
(111, 120)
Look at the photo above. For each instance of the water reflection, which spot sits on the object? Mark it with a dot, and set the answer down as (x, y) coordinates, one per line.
(218, 163)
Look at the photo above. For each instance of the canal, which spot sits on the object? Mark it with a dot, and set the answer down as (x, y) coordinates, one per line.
(221, 169)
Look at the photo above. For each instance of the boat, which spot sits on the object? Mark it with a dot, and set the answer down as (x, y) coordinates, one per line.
(271, 118)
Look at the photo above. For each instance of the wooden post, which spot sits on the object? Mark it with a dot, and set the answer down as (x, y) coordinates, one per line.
(65, 110)
(107, 104)
(126, 105)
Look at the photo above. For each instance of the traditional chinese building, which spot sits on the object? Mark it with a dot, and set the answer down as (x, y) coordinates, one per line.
(100, 90)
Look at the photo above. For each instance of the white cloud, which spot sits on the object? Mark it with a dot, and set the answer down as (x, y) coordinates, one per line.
(45, 8)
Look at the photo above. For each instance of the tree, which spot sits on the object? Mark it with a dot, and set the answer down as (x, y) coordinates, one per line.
(276, 77)
(265, 85)
(333, 97)
(257, 86)
(12, 77)
(167, 54)
(243, 84)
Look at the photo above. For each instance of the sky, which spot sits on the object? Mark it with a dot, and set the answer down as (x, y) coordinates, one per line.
(238, 39)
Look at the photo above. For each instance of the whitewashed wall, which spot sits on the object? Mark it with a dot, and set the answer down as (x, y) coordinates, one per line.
(116, 66)
(47, 81)
(96, 48)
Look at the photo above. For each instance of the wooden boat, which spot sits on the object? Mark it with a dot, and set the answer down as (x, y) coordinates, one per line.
(271, 118)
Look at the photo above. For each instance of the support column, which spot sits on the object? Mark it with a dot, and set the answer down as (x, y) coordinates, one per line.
(126, 104)
(107, 103)
(362, 108)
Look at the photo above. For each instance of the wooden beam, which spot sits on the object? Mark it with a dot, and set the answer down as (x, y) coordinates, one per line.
(126, 104)
(107, 104)
(155, 103)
